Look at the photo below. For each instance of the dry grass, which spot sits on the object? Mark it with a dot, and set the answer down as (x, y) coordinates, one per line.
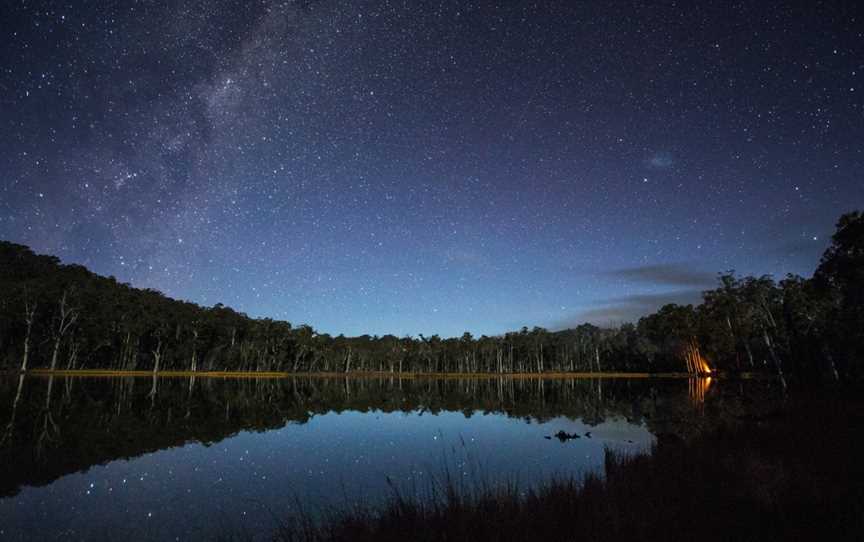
(96, 373)
(793, 474)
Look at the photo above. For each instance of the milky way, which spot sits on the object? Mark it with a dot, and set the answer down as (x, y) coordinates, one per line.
(398, 167)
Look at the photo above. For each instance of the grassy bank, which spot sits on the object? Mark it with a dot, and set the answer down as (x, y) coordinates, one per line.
(790, 474)
(97, 373)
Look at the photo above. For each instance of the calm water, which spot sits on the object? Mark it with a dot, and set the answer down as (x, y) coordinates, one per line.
(186, 459)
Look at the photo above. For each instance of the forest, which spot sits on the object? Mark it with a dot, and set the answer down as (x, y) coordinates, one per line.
(58, 316)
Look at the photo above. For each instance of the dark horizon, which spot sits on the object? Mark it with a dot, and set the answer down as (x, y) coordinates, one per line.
(604, 316)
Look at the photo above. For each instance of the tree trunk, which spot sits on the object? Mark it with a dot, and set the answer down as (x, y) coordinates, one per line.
(67, 317)
(194, 361)
(777, 364)
(831, 364)
(29, 317)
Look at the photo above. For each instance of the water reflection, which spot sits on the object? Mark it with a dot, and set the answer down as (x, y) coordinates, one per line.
(698, 389)
(307, 438)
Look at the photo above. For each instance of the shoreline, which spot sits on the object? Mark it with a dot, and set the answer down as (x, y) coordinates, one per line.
(110, 373)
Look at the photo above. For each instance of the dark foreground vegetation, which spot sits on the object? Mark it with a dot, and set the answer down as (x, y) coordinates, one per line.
(793, 473)
(64, 316)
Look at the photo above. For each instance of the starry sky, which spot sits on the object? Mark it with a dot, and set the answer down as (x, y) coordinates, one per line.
(430, 167)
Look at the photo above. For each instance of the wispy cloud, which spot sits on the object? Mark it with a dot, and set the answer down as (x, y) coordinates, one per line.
(617, 310)
(671, 274)
(685, 282)
(661, 160)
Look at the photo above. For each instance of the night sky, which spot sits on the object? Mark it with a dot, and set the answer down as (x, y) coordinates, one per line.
(408, 167)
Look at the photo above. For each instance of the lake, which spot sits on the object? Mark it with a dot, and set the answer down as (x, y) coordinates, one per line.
(190, 458)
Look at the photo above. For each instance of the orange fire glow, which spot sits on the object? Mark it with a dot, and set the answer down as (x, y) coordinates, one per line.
(696, 362)
(698, 388)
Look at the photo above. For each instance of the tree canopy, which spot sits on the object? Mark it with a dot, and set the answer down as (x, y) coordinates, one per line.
(64, 316)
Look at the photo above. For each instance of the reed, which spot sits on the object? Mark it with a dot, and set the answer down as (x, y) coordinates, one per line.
(761, 480)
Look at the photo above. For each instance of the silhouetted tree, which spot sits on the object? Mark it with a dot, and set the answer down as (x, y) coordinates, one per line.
(798, 328)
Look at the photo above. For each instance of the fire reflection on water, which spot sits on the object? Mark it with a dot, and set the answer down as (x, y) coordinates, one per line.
(698, 388)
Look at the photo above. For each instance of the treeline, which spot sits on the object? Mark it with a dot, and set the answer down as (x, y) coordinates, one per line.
(64, 316)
